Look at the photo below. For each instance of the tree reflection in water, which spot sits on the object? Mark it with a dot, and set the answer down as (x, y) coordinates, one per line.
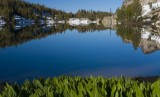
(10, 36)
(137, 36)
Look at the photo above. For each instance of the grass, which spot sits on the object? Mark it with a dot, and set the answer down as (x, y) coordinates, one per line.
(82, 87)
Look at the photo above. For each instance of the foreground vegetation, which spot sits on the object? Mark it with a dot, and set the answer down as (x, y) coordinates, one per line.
(82, 87)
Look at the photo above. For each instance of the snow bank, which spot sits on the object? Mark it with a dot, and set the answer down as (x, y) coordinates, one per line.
(2, 22)
(145, 34)
(155, 38)
(147, 8)
(78, 21)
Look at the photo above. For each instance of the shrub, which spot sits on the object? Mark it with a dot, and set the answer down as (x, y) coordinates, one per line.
(82, 87)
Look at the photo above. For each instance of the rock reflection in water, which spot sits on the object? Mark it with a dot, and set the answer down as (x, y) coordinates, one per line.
(146, 37)
(150, 40)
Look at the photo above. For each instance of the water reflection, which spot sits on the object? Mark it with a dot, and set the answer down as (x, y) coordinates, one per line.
(22, 33)
(150, 39)
(78, 51)
(146, 37)
(129, 35)
(21, 22)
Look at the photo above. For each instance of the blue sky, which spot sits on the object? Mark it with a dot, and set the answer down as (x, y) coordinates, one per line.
(74, 5)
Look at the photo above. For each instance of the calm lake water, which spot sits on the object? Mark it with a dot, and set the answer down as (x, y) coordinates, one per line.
(97, 53)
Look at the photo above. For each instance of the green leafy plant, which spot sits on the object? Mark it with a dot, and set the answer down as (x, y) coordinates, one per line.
(66, 86)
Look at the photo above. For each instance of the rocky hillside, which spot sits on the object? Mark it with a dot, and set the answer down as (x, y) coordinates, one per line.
(150, 10)
(143, 2)
(109, 21)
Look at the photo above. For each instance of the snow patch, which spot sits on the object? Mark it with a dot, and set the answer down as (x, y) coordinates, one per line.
(78, 21)
(148, 8)
(145, 34)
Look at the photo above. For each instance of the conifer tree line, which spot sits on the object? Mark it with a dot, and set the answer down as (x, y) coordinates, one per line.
(9, 8)
(131, 12)
(92, 15)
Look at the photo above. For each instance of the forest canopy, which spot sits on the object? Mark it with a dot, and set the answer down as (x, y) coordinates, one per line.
(9, 8)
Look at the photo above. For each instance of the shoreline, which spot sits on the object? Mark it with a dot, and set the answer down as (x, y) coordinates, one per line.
(150, 79)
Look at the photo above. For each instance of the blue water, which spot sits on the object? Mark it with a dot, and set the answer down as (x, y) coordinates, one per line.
(100, 53)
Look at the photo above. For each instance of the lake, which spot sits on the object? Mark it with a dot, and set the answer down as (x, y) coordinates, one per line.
(49, 51)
